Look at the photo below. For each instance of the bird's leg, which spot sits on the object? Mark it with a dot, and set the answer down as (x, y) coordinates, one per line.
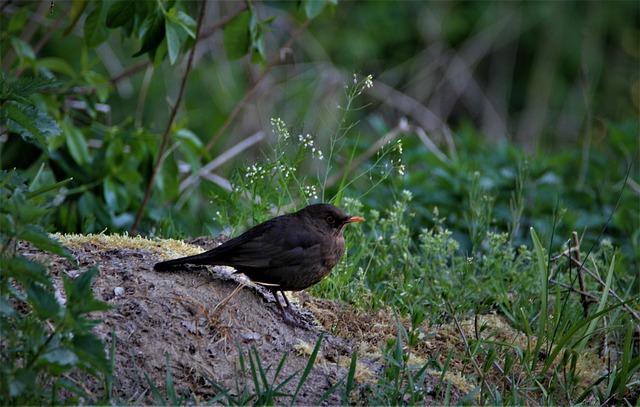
(275, 295)
(286, 316)
(287, 301)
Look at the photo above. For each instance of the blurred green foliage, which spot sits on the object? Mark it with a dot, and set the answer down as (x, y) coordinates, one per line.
(547, 71)
(484, 119)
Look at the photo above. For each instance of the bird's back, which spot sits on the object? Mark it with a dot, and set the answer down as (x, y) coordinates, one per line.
(284, 253)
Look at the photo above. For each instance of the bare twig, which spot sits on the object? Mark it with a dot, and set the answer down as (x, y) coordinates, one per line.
(222, 21)
(407, 105)
(137, 67)
(401, 127)
(52, 30)
(387, 138)
(253, 88)
(467, 348)
(206, 171)
(593, 297)
(167, 132)
(576, 244)
(206, 32)
(634, 186)
(599, 280)
(251, 91)
(224, 302)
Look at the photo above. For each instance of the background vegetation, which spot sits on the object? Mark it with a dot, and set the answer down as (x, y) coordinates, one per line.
(453, 127)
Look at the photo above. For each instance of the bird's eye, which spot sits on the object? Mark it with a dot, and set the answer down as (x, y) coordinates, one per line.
(331, 220)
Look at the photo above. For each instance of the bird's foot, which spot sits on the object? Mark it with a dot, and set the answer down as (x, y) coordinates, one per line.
(293, 318)
(289, 315)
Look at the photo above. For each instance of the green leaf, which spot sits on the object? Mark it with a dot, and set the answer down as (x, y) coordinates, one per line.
(601, 304)
(95, 30)
(169, 386)
(543, 274)
(18, 21)
(59, 360)
(24, 270)
(77, 8)
(18, 118)
(21, 382)
(167, 182)
(115, 195)
(154, 33)
(120, 13)
(92, 213)
(313, 7)
(24, 87)
(6, 309)
(237, 38)
(80, 298)
(44, 241)
(129, 15)
(159, 53)
(190, 137)
(109, 187)
(43, 302)
(173, 39)
(33, 125)
(47, 188)
(77, 144)
(101, 84)
(91, 351)
(308, 368)
(257, 40)
(187, 23)
(625, 374)
(19, 212)
(57, 65)
(23, 50)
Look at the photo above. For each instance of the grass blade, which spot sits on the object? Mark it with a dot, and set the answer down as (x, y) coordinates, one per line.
(349, 385)
(171, 390)
(544, 293)
(308, 368)
(601, 305)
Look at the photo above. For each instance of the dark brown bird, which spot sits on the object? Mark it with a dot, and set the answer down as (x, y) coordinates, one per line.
(287, 253)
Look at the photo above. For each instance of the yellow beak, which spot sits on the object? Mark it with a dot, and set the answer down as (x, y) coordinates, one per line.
(355, 219)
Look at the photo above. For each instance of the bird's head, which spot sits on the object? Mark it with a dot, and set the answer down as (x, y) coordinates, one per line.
(328, 217)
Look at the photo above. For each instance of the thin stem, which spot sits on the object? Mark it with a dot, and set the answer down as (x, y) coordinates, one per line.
(167, 132)
(253, 88)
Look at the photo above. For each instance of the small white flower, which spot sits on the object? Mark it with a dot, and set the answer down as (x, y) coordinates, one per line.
(311, 192)
(308, 143)
(280, 128)
(368, 81)
(399, 146)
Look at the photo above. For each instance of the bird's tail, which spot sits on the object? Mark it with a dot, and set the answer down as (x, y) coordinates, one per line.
(170, 265)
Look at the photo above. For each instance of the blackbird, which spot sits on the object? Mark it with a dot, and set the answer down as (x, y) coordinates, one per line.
(287, 253)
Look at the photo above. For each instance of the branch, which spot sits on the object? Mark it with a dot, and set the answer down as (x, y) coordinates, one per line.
(599, 280)
(167, 132)
(206, 33)
(253, 88)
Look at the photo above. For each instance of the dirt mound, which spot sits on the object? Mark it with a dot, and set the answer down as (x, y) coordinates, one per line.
(188, 319)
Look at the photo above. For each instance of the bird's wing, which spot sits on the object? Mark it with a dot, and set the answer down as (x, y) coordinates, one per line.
(268, 248)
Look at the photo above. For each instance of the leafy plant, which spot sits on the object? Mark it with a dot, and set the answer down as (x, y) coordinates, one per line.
(45, 329)
(21, 115)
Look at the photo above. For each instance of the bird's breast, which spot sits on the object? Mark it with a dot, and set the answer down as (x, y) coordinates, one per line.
(332, 252)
